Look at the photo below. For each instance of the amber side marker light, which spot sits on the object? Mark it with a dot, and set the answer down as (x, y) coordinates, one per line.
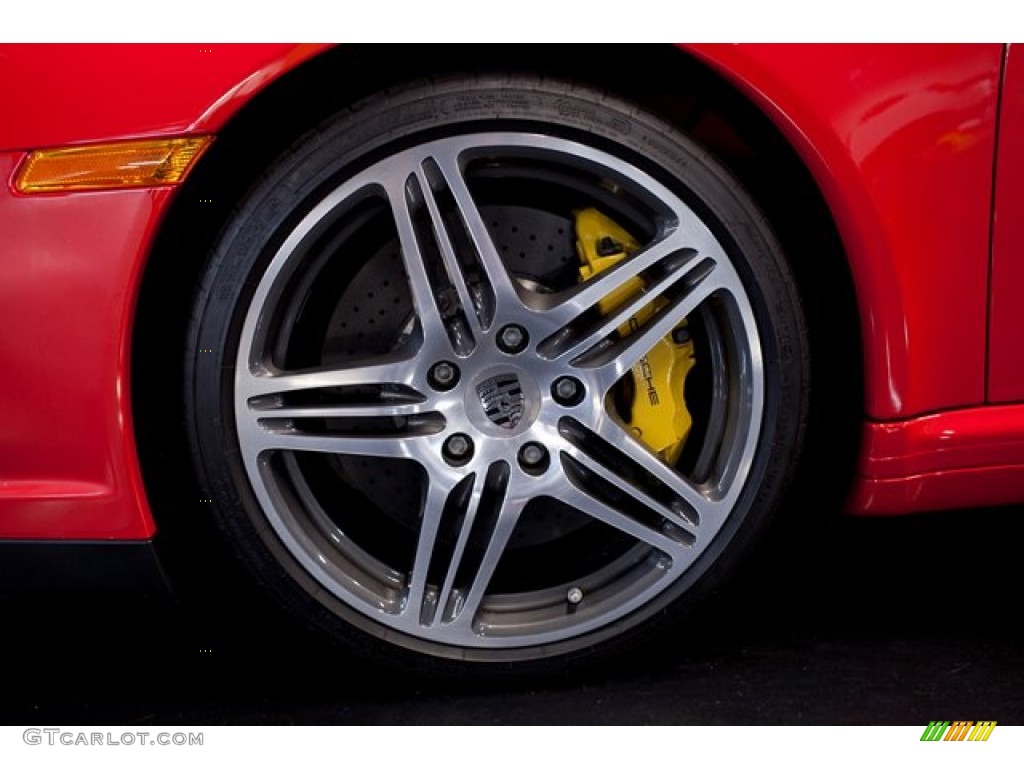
(117, 165)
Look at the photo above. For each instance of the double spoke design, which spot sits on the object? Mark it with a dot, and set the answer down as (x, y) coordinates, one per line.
(663, 516)
(705, 506)
(368, 410)
(457, 278)
(252, 384)
(468, 214)
(588, 294)
(623, 484)
(478, 480)
(477, 517)
(602, 346)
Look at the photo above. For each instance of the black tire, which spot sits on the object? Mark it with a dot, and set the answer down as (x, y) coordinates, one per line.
(305, 276)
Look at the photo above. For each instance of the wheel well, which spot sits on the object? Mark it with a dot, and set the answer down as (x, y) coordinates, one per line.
(661, 79)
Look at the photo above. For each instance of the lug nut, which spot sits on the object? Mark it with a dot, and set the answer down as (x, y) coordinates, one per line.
(533, 458)
(680, 335)
(533, 454)
(567, 391)
(458, 449)
(443, 375)
(512, 338)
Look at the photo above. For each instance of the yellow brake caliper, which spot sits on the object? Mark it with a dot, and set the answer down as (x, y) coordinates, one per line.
(657, 412)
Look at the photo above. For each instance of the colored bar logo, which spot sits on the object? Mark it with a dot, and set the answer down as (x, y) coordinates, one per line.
(959, 730)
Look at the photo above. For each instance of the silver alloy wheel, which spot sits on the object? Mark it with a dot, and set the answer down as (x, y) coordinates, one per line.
(493, 438)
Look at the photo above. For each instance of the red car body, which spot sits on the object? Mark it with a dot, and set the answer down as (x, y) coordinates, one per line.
(915, 150)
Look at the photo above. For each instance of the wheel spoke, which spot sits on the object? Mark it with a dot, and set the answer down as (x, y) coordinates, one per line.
(707, 509)
(268, 437)
(578, 496)
(429, 284)
(626, 487)
(609, 360)
(384, 371)
(417, 608)
(343, 411)
(648, 498)
(483, 255)
(610, 343)
(477, 308)
(502, 532)
(368, 410)
(618, 278)
(465, 528)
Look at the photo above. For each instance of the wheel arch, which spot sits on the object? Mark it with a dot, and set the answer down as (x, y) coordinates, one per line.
(901, 143)
(675, 83)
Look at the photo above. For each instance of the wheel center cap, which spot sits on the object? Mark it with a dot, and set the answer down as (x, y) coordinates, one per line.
(503, 401)
(501, 397)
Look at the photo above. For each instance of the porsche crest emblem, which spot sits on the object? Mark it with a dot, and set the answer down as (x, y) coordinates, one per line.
(502, 399)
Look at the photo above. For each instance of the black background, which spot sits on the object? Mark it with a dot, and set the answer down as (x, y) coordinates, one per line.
(865, 621)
